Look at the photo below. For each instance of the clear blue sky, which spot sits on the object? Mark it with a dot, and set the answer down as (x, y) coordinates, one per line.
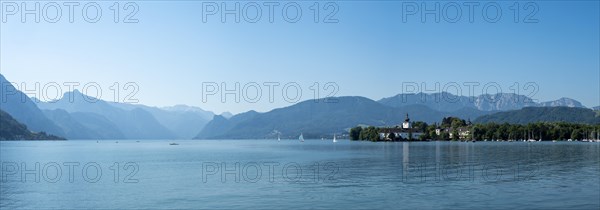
(370, 52)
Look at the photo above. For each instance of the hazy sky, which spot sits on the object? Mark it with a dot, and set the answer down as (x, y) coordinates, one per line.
(372, 50)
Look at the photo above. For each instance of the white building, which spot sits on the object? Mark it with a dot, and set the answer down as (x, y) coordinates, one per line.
(406, 124)
(406, 132)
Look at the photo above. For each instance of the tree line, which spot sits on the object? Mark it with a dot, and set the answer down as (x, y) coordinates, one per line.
(449, 129)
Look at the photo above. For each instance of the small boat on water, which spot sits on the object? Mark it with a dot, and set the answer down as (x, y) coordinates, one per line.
(334, 139)
(301, 138)
(173, 143)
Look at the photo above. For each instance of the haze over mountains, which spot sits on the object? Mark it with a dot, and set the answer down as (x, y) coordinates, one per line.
(76, 116)
(11, 129)
(24, 110)
(133, 121)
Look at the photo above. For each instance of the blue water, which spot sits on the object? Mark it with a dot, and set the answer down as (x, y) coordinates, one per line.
(289, 174)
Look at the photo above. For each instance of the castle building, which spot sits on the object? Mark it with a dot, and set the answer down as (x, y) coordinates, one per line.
(406, 124)
(404, 132)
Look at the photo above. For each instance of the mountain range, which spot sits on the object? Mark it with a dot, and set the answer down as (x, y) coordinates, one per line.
(543, 114)
(10, 129)
(77, 116)
(132, 121)
(317, 119)
(183, 121)
(488, 102)
(24, 110)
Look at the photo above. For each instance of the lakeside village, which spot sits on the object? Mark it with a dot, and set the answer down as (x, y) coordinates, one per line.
(456, 129)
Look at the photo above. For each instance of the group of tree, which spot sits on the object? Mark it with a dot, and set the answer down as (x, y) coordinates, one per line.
(539, 130)
(450, 126)
(370, 133)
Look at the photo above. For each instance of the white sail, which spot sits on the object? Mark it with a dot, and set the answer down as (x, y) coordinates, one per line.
(334, 140)
(301, 137)
(278, 137)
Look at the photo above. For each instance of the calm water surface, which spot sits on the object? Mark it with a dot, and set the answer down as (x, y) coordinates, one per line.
(289, 175)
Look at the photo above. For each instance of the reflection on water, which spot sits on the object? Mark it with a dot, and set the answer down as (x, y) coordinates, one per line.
(290, 174)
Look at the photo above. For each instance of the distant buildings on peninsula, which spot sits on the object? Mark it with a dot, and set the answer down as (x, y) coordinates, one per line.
(455, 129)
(404, 132)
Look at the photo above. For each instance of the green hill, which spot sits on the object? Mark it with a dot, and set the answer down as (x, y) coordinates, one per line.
(24, 110)
(314, 119)
(543, 114)
(10, 129)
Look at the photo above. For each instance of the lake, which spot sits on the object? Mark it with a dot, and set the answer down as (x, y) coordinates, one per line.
(267, 174)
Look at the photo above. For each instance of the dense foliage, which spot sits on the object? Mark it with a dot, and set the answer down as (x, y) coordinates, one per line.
(539, 130)
(490, 131)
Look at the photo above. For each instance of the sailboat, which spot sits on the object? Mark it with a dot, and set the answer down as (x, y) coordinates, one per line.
(278, 137)
(334, 140)
(301, 138)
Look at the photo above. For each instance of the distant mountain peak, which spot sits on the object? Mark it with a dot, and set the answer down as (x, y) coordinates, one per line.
(564, 101)
(226, 115)
(183, 108)
(76, 96)
(445, 101)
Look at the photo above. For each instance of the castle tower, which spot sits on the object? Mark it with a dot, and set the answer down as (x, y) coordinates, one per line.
(406, 124)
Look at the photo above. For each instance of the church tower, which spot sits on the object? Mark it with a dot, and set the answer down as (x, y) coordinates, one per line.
(406, 124)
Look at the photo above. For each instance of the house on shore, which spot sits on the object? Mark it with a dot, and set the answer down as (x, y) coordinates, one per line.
(464, 133)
